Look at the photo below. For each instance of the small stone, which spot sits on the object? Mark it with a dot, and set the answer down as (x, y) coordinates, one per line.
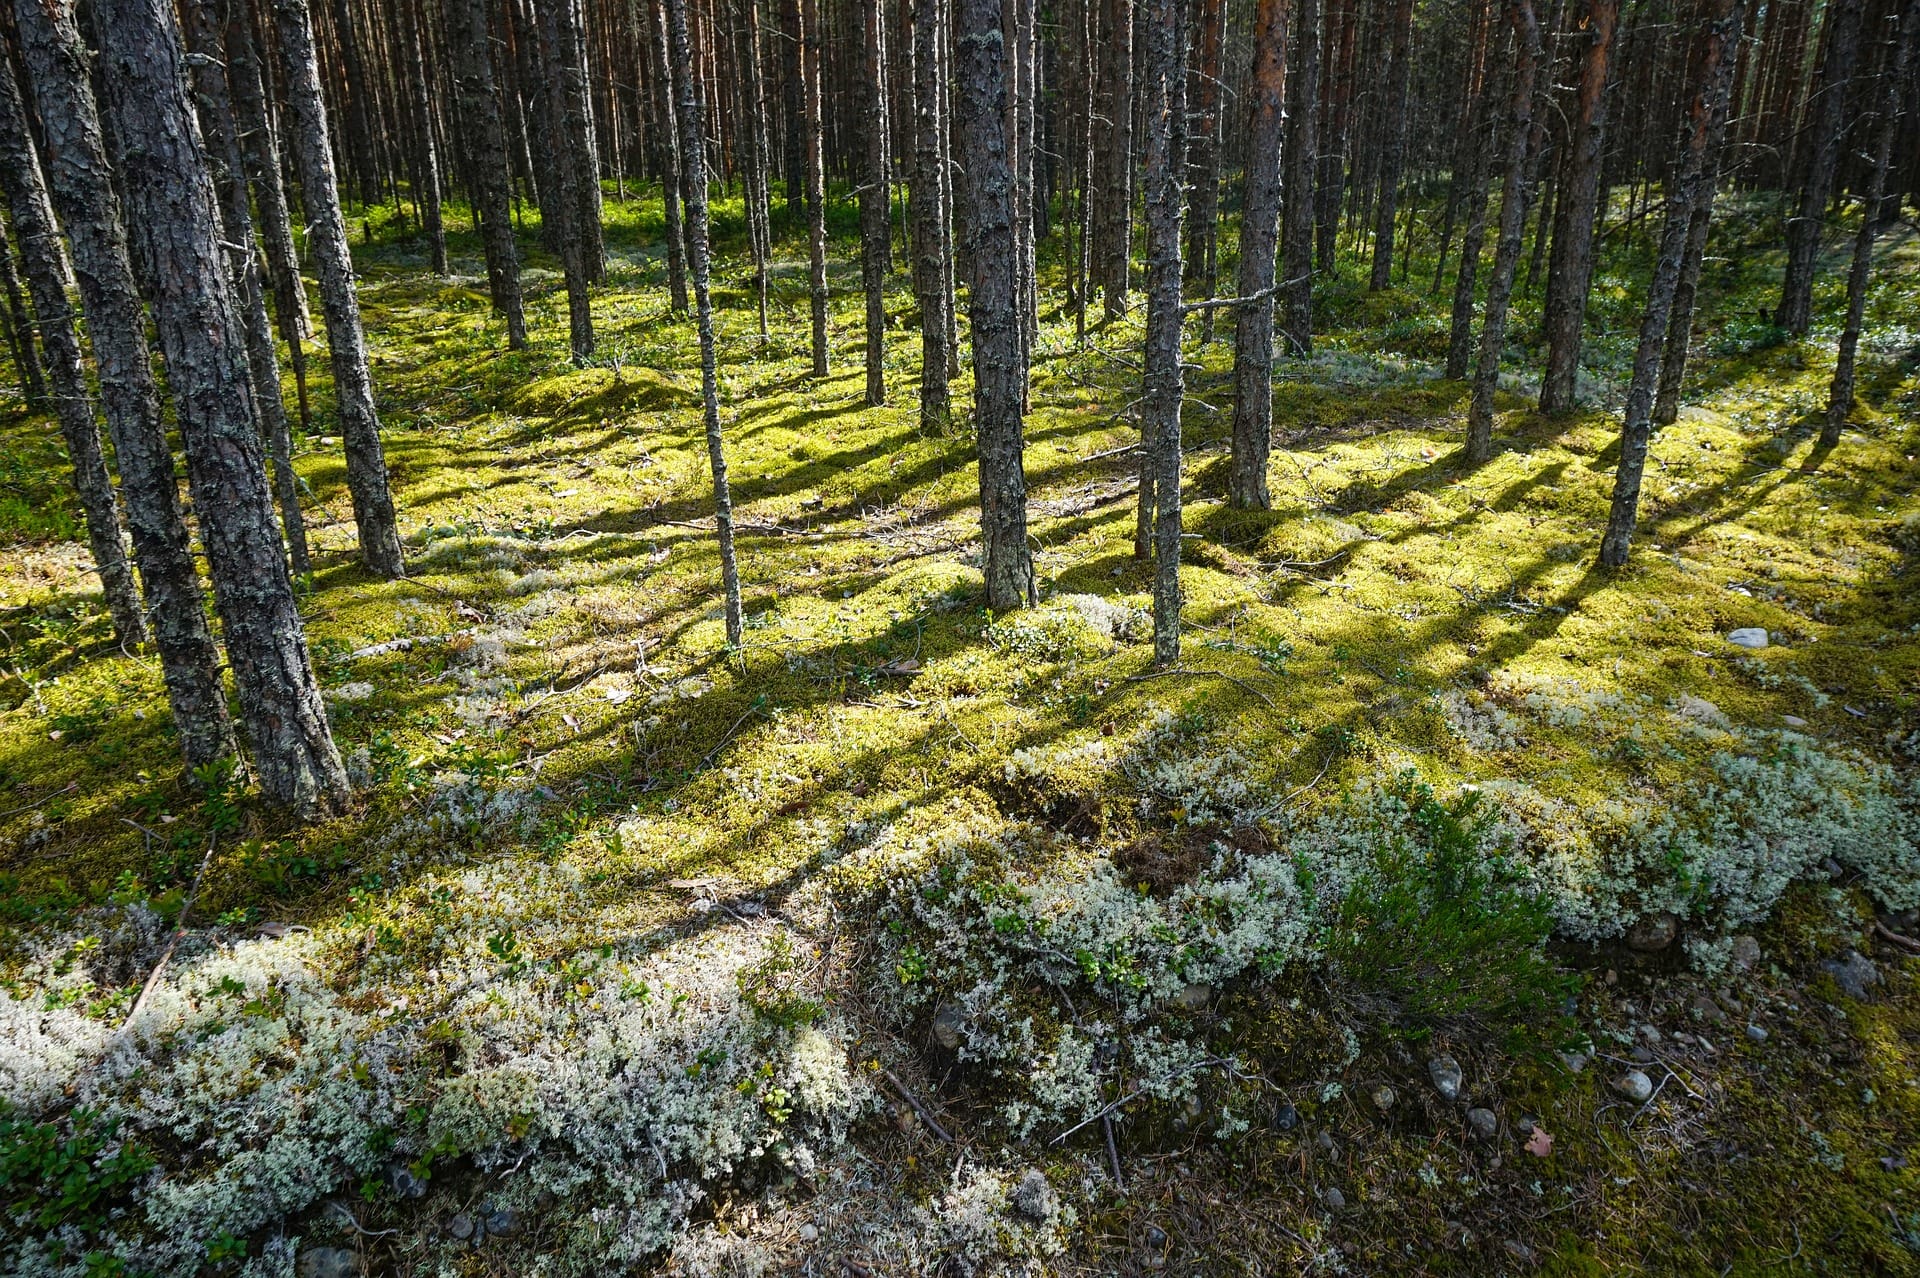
(1793, 721)
(405, 1184)
(1855, 974)
(947, 1023)
(809, 1232)
(1634, 1085)
(461, 1226)
(1757, 1033)
(545, 1200)
(1701, 710)
(503, 1222)
(1285, 1118)
(1746, 953)
(1383, 1098)
(1325, 1141)
(1831, 868)
(1653, 933)
(1648, 1033)
(1156, 1238)
(1702, 1008)
(1642, 1053)
(329, 1262)
(1445, 1073)
(1484, 1122)
(1748, 637)
(1194, 998)
(1034, 1198)
(1334, 1199)
(1575, 1062)
(1518, 1250)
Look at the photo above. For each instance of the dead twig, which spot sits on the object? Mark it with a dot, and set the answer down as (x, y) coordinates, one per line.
(926, 1115)
(1191, 673)
(68, 788)
(179, 930)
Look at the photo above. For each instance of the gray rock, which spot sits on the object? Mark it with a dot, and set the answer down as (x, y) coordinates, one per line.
(1484, 1122)
(1445, 1073)
(1701, 710)
(1702, 1008)
(1793, 721)
(1748, 637)
(1334, 1199)
(404, 1183)
(1575, 1062)
(1653, 933)
(1855, 974)
(461, 1226)
(1285, 1118)
(1634, 1085)
(1642, 1053)
(1383, 1098)
(1757, 1033)
(947, 1024)
(503, 1222)
(329, 1262)
(1194, 998)
(1156, 1237)
(1034, 1198)
(1746, 953)
(809, 1232)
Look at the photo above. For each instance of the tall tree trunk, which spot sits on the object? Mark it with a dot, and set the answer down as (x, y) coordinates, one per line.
(214, 100)
(174, 218)
(1253, 322)
(1202, 260)
(1712, 79)
(1399, 70)
(554, 19)
(1673, 359)
(19, 325)
(692, 135)
(83, 191)
(1117, 192)
(1887, 128)
(816, 180)
(346, 342)
(47, 275)
(1821, 150)
(754, 110)
(579, 134)
(1164, 66)
(670, 162)
(1472, 242)
(1570, 268)
(873, 206)
(927, 204)
(357, 124)
(979, 116)
(484, 133)
(1513, 225)
(419, 103)
(1296, 256)
(260, 149)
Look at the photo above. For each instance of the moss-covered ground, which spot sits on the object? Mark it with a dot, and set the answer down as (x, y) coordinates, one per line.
(565, 659)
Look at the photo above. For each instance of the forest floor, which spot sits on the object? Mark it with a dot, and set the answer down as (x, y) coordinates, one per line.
(575, 800)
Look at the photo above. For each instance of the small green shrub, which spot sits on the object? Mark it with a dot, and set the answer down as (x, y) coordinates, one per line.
(68, 1173)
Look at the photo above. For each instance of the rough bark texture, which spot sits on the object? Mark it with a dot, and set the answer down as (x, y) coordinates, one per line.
(1712, 78)
(1253, 325)
(816, 181)
(755, 144)
(175, 220)
(485, 135)
(1886, 131)
(346, 341)
(19, 325)
(927, 204)
(1826, 120)
(214, 100)
(47, 274)
(1116, 101)
(1570, 269)
(1296, 254)
(979, 112)
(1513, 225)
(1203, 156)
(691, 133)
(260, 148)
(873, 206)
(1472, 242)
(555, 21)
(420, 108)
(671, 201)
(1387, 208)
(84, 194)
(1163, 65)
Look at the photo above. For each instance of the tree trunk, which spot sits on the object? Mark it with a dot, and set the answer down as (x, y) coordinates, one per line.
(346, 342)
(1570, 268)
(1387, 208)
(1513, 225)
(1460, 335)
(1673, 360)
(421, 107)
(927, 203)
(873, 207)
(260, 149)
(1303, 94)
(692, 133)
(1253, 322)
(484, 133)
(754, 110)
(554, 19)
(1164, 45)
(980, 113)
(1202, 261)
(1117, 193)
(816, 180)
(1821, 148)
(47, 275)
(173, 214)
(19, 325)
(671, 184)
(1712, 78)
(1887, 128)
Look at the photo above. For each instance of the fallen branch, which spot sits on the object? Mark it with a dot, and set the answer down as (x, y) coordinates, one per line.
(68, 788)
(179, 930)
(1888, 934)
(926, 1115)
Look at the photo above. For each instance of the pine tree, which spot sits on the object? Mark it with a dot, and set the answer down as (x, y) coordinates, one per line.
(554, 19)
(489, 175)
(1570, 270)
(1163, 66)
(1259, 219)
(18, 321)
(1394, 156)
(1302, 71)
(927, 204)
(1820, 151)
(668, 146)
(873, 205)
(816, 180)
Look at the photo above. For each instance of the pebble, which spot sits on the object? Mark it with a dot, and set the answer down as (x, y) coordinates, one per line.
(1748, 637)
(1334, 1199)
(1703, 1008)
(1325, 1141)
(1034, 1198)
(809, 1232)
(1194, 998)
(1757, 1033)
(1484, 1122)
(947, 1022)
(1286, 1118)
(1653, 933)
(1156, 1237)
(461, 1226)
(1855, 974)
(1643, 1054)
(405, 1183)
(1746, 953)
(1793, 721)
(1445, 1073)
(1383, 1098)
(1574, 1061)
(1701, 710)
(503, 1222)
(1634, 1085)
(329, 1262)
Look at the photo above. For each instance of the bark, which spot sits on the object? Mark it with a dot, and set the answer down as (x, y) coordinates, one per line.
(1673, 360)
(1886, 131)
(927, 204)
(670, 167)
(816, 181)
(1712, 78)
(19, 326)
(1387, 208)
(755, 143)
(427, 193)
(999, 375)
(692, 132)
(578, 134)
(354, 91)
(346, 341)
(260, 149)
(484, 133)
(1253, 324)
(1513, 225)
(1203, 157)
(174, 217)
(1163, 64)
(47, 275)
(1117, 191)
(1570, 268)
(1303, 92)
(554, 19)
(214, 100)
(1472, 242)
(1826, 126)
(873, 207)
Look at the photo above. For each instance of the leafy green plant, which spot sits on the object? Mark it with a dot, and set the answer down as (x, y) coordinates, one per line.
(774, 987)
(67, 1173)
